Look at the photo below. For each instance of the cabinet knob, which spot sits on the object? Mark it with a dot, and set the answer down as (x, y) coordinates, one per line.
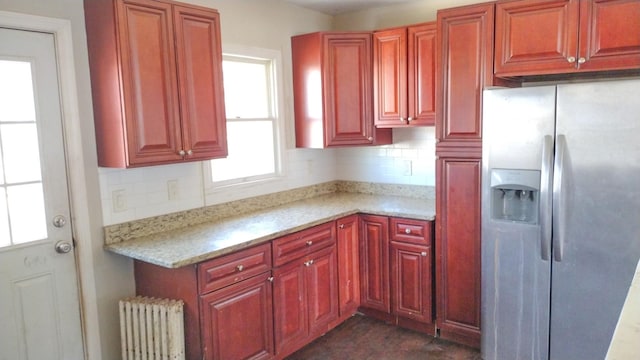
(341, 226)
(370, 138)
(308, 263)
(571, 59)
(240, 267)
(424, 253)
(182, 153)
(407, 231)
(581, 60)
(309, 242)
(270, 279)
(401, 119)
(409, 119)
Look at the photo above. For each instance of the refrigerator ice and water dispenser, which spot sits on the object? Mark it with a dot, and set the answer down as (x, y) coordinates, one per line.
(515, 195)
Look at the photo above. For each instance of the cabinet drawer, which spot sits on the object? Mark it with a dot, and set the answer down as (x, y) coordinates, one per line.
(299, 244)
(229, 269)
(411, 231)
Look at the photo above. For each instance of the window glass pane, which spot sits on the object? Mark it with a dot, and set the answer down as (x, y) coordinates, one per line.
(21, 156)
(16, 91)
(5, 237)
(251, 151)
(27, 214)
(246, 92)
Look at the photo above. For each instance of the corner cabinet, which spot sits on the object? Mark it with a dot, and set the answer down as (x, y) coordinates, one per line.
(332, 86)
(566, 36)
(156, 79)
(404, 76)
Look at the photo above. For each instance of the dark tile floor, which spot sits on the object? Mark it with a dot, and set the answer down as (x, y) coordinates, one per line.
(364, 338)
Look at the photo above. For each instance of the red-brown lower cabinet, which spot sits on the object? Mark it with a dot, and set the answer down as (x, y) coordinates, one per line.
(228, 312)
(374, 276)
(305, 297)
(397, 275)
(458, 248)
(412, 274)
(348, 246)
(237, 320)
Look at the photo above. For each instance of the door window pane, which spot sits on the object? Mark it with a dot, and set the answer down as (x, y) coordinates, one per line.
(16, 91)
(26, 211)
(22, 207)
(21, 155)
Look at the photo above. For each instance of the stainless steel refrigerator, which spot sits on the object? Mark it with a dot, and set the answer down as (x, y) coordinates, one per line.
(560, 217)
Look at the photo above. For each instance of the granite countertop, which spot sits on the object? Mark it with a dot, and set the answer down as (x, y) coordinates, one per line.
(189, 245)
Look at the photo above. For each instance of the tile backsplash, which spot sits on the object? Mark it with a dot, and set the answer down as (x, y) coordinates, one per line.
(133, 194)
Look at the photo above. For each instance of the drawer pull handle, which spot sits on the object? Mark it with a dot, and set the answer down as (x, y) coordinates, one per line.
(240, 267)
(407, 231)
(308, 263)
(309, 243)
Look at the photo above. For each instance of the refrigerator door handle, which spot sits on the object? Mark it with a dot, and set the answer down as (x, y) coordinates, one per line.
(558, 199)
(544, 211)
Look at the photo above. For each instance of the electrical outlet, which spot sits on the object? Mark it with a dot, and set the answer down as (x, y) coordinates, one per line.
(172, 190)
(407, 168)
(119, 200)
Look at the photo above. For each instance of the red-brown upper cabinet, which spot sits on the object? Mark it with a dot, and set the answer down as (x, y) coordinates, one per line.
(465, 68)
(332, 86)
(404, 76)
(156, 78)
(566, 36)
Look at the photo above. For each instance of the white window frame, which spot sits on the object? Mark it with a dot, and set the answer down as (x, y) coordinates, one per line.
(275, 57)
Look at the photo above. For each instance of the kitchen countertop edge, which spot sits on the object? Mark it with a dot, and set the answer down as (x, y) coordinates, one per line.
(191, 245)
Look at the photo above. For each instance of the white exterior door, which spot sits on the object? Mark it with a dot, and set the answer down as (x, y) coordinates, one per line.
(39, 306)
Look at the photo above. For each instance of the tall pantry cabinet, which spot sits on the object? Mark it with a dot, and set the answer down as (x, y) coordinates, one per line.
(464, 68)
(156, 79)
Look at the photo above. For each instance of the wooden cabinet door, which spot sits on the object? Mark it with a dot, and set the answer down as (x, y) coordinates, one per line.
(348, 89)
(149, 83)
(348, 249)
(237, 321)
(411, 284)
(536, 37)
(609, 35)
(322, 289)
(465, 67)
(421, 73)
(201, 87)
(290, 307)
(333, 90)
(390, 77)
(374, 255)
(458, 249)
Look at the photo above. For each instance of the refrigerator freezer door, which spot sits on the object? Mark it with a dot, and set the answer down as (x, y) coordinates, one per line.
(601, 223)
(516, 270)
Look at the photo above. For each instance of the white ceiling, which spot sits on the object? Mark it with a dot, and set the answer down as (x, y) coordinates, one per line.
(334, 7)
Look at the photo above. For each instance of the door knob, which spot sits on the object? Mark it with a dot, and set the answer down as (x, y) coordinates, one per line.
(63, 247)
